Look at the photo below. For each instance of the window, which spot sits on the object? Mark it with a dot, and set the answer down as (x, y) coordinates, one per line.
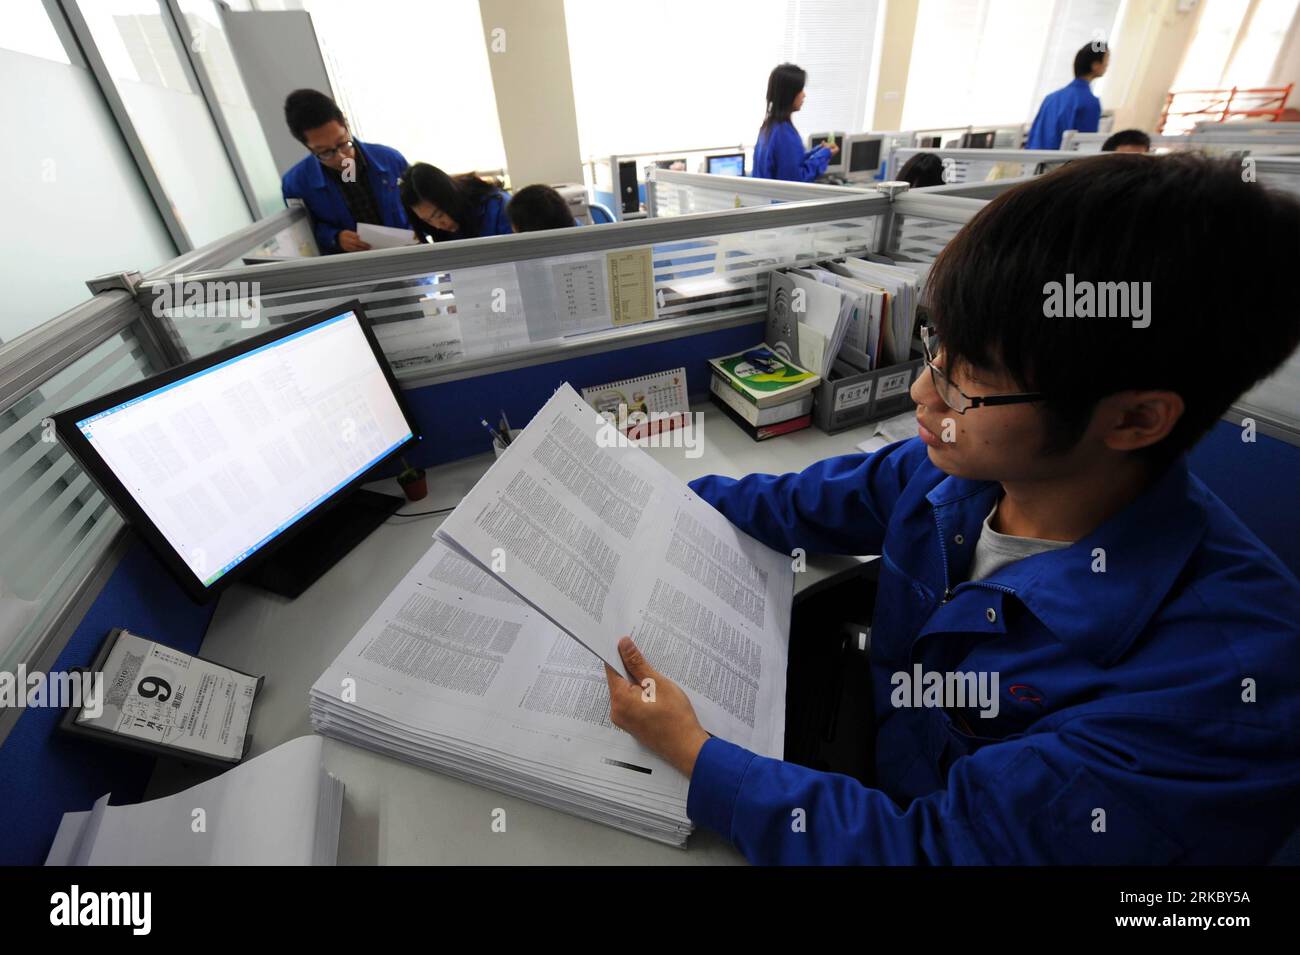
(28, 30)
(991, 62)
(414, 75)
(1236, 44)
(147, 68)
(684, 74)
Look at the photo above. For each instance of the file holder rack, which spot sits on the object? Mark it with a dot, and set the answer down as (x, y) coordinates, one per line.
(848, 396)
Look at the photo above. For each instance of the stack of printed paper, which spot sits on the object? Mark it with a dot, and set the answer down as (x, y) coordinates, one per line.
(488, 660)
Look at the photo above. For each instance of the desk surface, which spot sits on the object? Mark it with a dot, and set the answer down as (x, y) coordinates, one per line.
(397, 813)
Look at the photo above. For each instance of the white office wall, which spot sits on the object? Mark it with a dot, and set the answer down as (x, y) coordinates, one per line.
(683, 74)
(413, 74)
(74, 203)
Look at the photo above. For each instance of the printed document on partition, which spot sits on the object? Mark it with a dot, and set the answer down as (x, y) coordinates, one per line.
(602, 539)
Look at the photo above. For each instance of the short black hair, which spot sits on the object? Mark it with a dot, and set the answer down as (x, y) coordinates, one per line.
(308, 109)
(1126, 137)
(1091, 52)
(922, 170)
(538, 207)
(1185, 223)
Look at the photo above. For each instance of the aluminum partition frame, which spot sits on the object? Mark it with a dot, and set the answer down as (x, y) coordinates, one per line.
(381, 265)
(220, 251)
(26, 363)
(775, 189)
(1035, 156)
(781, 191)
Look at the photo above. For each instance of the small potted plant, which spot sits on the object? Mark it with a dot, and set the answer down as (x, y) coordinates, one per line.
(413, 482)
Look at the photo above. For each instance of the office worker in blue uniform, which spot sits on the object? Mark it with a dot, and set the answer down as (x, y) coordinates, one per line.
(1043, 527)
(779, 152)
(344, 181)
(1073, 106)
(443, 207)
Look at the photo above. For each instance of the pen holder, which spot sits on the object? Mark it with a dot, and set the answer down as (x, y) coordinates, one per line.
(498, 448)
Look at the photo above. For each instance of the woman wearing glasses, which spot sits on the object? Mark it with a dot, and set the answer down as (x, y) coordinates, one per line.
(344, 181)
(442, 207)
(1069, 630)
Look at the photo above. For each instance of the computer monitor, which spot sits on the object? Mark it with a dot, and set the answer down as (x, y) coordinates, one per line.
(836, 166)
(930, 142)
(862, 157)
(982, 140)
(728, 164)
(245, 463)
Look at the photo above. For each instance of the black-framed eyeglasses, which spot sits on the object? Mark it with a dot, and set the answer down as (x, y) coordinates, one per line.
(331, 153)
(954, 397)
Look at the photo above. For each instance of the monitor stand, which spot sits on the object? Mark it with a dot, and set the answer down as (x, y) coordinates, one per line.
(304, 560)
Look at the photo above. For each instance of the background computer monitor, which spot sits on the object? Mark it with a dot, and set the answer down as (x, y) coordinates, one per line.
(225, 461)
(836, 166)
(862, 157)
(730, 164)
(982, 140)
(930, 142)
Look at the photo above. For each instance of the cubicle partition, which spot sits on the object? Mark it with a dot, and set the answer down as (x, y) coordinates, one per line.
(979, 165)
(484, 307)
(672, 193)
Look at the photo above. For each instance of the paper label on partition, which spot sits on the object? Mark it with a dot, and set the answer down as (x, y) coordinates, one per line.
(851, 396)
(894, 384)
(631, 286)
(163, 696)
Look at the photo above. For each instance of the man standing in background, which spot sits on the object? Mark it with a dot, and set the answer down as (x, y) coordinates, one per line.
(343, 181)
(1072, 106)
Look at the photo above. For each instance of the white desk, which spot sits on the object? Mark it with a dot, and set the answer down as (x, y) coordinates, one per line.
(397, 813)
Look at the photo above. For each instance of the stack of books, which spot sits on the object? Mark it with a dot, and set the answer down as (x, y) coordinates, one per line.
(764, 394)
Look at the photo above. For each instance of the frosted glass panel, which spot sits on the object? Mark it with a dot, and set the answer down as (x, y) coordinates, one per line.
(208, 40)
(74, 201)
(170, 117)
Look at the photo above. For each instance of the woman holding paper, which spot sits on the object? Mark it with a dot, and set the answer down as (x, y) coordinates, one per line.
(442, 207)
(779, 152)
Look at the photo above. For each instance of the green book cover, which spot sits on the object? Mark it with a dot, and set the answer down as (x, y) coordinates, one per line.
(762, 376)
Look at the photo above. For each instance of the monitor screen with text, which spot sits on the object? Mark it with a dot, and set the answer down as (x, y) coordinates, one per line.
(228, 458)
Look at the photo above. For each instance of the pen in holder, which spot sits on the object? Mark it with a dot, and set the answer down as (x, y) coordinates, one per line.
(498, 448)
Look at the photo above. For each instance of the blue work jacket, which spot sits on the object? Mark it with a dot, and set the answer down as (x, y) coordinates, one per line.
(1148, 704)
(324, 197)
(779, 154)
(1071, 107)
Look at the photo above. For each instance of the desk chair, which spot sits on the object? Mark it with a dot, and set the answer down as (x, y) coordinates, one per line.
(599, 214)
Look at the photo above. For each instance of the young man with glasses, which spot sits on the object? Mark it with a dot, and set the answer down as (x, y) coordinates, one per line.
(1043, 533)
(344, 181)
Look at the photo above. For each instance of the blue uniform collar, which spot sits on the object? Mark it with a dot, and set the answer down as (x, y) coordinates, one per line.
(1146, 546)
(314, 172)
